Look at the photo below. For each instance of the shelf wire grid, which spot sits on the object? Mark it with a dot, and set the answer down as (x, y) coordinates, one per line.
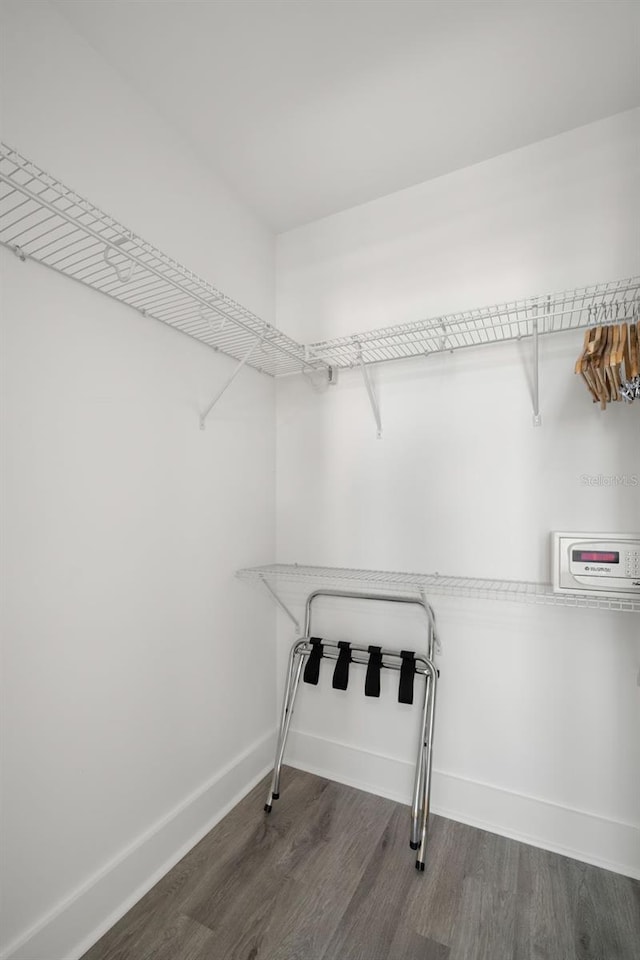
(434, 584)
(603, 303)
(43, 220)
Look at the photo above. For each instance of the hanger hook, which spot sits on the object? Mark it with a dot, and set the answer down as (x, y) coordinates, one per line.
(123, 273)
(209, 319)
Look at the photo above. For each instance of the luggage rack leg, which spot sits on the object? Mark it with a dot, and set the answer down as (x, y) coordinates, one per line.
(296, 659)
(422, 787)
(418, 787)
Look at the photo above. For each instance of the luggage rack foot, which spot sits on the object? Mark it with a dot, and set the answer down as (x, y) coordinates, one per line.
(269, 804)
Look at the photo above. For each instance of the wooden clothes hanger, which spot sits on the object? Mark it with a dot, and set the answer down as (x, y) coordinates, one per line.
(610, 362)
(582, 365)
(634, 350)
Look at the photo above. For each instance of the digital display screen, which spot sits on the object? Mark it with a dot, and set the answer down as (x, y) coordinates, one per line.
(595, 556)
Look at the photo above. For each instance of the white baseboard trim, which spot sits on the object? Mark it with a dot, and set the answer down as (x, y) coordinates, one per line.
(542, 823)
(73, 925)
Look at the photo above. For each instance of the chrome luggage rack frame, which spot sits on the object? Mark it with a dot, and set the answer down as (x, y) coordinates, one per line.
(391, 660)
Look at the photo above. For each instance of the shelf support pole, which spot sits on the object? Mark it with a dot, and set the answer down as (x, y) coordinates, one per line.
(227, 384)
(537, 416)
(279, 602)
(373, 400)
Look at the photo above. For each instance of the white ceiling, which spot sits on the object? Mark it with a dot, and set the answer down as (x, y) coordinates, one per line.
(308, 107)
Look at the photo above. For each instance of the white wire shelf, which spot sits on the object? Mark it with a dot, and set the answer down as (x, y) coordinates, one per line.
(434, 584)
(603, 303)
(43, 220)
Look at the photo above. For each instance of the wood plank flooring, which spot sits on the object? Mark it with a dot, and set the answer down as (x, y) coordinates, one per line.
(329, 876)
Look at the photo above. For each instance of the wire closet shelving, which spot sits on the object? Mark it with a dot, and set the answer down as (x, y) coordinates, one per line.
(616, 301)
(43, 220)
(603, 303)
(432, 584)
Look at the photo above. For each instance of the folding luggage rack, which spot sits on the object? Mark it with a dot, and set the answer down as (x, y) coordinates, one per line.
(312, 650)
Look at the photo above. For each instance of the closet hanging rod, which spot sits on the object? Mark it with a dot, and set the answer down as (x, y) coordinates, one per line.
(41, 219)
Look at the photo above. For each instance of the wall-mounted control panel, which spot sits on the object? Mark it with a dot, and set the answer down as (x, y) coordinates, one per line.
(605, 564)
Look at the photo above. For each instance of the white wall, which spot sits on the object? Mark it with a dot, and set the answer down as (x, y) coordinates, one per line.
(538, 713)
(129, 719)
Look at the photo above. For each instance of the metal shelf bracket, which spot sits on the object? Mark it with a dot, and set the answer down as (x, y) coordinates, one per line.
(329, 373)
(373, 400)
(223, 389)
(535, 347)
(279, 602)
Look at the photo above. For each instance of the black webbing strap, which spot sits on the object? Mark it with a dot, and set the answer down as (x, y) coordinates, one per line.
(312, 669)
(372, 681)
(341, 672)
(407, 670)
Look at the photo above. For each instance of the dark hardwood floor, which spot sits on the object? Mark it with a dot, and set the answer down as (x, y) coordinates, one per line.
(329, 876)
